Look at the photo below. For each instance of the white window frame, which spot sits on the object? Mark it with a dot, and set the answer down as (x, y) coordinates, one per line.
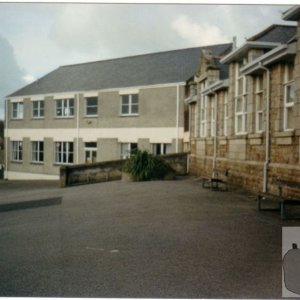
(17, 150)
(203, 112)
(242, 114)
(165, 148)
(259, 96)
(212, 115)
(40, 109)
(225, 120)
(17, 110)
(37, 151)
(130, 105)
(125, 149)
(287, 104)
(64, 149)
(91, 106)
(66, 109)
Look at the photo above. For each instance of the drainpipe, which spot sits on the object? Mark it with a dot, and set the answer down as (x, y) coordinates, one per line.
(177, 117)
(214, 175)
(6, 140)
(267, 157)
(77, 125)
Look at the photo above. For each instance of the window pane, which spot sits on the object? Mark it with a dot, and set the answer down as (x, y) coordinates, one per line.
(290, 93)
(239, 104)
(134, 99)
(125, 109)
(91, 145)
(91, 111)
(290, 118)
(134, 109)
(125, 99)
(91, 101)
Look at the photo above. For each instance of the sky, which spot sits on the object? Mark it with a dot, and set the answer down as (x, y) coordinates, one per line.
(36, 38)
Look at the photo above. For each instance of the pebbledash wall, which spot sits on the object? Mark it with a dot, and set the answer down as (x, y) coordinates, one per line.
(108, 130)
(100, 110)
(229, 118)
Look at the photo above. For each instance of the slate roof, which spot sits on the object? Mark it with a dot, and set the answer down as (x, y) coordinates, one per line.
(140, 70)
(275, 33)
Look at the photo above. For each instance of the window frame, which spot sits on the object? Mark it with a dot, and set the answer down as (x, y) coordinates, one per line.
(165, 147)
(38, 109)
(64, 147)
(225, 113)
(130, 104)
(287, 104)
(91, 106)
(38, 151)
(203, 112)
(242, 114)
(123, 154)
(17, 151)
(19, 112)
(259, 96)
(63, 107)
(212, 100)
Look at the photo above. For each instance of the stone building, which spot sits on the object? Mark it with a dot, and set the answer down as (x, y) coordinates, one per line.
(100, 111)
(245, 117)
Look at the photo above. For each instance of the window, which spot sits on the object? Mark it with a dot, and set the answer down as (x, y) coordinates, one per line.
(38, 109)
(240, 103)
(258, 83)
(127, 149)
(212, 116)
(158, 149)
(91, 106)
(64, 152)
(203, 108)
(90, 152)
(65, 108)
(130, 104)
(225, 113)
(17, 150)
(289, 98)
(37, 151)
(17, 110)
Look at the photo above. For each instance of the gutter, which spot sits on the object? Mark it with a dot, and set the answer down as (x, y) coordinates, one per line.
(267, 150)
(177, 117)
(77, 125)
(6, 140)
(214, 166)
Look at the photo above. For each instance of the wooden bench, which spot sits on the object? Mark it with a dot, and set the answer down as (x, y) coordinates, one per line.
(282, 202)
(217, 183)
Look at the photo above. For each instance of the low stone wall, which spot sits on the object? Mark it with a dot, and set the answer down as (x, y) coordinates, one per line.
(111, 170)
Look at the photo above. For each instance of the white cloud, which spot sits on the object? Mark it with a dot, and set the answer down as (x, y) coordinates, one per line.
(198, 33)
(28, 78)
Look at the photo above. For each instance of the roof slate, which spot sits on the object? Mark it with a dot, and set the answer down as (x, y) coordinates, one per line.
(141, 70)
(275, 33)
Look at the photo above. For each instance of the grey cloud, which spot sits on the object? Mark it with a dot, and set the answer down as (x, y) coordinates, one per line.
(10, 72)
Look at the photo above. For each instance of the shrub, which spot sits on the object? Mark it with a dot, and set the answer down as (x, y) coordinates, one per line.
(144, 166)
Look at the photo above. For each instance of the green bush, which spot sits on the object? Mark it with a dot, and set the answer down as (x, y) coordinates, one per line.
(145, 166)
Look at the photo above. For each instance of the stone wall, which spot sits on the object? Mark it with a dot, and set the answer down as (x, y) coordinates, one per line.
(111, 170)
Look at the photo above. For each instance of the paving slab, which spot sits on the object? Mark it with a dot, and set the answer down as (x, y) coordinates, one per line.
(158, 239)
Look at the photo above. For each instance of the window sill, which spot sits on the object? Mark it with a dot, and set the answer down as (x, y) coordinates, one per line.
(256, 135)
(129, 115)
(62, 164)
(36, 162)
(17, 119)
(90, 116)
(59, 118)
(17, 161)
(286, 133)
(37, 118)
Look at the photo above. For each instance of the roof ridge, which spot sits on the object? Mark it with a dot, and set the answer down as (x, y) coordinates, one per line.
(268, 29)
(144, 54)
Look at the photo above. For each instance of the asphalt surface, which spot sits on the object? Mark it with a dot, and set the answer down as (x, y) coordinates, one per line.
(160, 239)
